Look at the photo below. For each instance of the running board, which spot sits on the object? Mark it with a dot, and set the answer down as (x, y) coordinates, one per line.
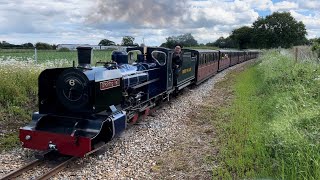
(184, 85)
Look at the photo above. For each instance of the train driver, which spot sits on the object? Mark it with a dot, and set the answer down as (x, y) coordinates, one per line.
(176, 62)
(176, 59)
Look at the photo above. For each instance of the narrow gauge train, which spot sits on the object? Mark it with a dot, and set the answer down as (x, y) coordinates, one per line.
(82, 107)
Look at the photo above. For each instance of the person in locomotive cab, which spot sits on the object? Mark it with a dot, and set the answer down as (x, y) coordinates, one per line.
(176, 61)
(176, 58)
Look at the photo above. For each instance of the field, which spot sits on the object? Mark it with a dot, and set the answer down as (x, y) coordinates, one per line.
(18, 86)
(51, 56)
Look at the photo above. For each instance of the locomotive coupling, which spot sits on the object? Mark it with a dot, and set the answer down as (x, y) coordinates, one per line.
(52, 146)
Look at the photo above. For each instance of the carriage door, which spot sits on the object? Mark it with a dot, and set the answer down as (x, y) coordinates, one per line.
(187, 71)
(169, 72)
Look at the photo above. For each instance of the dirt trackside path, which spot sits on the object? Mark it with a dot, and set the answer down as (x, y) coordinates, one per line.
(193, 153)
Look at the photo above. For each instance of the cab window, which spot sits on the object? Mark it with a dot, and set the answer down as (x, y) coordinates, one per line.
(160, 57)
(133, 56)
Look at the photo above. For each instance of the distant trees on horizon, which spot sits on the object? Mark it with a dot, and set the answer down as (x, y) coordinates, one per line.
(279, 29)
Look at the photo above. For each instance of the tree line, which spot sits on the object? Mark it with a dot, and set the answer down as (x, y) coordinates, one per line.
(38, 45)
(279, 29)
(126, 41)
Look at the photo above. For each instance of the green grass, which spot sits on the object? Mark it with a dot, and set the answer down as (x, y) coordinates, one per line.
(18, 98)
(273, 127)
(44, 56)
(8, 141)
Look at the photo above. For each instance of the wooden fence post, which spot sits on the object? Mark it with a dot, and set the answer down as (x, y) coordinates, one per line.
(296, 54)
(35, 55)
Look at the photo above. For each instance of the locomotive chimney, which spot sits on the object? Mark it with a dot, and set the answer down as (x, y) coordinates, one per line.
(84, 56)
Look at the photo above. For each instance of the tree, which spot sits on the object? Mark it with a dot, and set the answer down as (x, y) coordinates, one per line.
(184, 40)
(313, 41)
(127, 41)
(222, 42)
(242, 37)
(170, 42)
(27, 45)
(261, 35)
(210, 44)
(106, 42)
(278, 29)
(41, 45)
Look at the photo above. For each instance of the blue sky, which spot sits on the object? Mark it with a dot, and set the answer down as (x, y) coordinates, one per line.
(82, 21)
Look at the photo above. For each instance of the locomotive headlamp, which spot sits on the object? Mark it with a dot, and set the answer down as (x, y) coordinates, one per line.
(28, 137)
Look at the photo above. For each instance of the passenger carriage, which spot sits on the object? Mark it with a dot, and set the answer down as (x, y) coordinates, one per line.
(207, 63)
(224, 59)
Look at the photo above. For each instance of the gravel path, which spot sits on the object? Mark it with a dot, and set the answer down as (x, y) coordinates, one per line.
(133, 154)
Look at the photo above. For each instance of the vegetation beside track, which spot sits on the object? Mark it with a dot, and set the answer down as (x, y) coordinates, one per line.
(271, 128)
(18, 98)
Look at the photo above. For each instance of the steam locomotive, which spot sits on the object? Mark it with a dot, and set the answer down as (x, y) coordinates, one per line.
(82, 107)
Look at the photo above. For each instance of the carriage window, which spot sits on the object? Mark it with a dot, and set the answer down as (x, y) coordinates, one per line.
(207, 58)
(133, 56)
(210, 57)
(160, 57)
(202, 59)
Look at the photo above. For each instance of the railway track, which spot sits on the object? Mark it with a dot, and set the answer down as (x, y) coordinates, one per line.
(32, 165)
(55, 170)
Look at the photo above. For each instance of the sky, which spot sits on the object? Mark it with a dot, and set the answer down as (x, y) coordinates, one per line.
(148, 21)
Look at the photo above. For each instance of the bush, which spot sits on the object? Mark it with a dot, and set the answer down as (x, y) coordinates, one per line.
(316, 49)
(64, 49)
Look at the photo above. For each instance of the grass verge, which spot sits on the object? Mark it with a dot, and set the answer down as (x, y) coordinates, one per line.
(271, 129)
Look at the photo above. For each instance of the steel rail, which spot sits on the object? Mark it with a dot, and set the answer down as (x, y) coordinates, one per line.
(56, 169)
(23, 169)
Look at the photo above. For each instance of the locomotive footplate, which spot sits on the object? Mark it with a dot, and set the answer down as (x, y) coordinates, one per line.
(69, 135)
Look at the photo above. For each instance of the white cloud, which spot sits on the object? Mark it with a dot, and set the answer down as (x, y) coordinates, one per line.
(260, 5)
(312, 22)
(309, 4)
(80, 21)
(283, 6)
